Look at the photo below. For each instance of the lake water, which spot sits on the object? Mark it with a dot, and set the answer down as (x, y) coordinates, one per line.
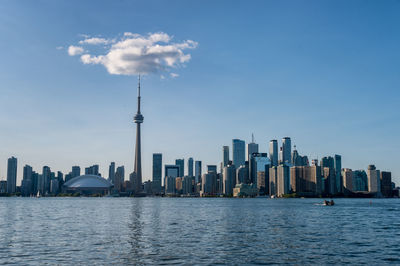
(198, 231)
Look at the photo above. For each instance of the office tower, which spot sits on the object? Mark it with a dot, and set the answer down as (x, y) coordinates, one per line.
(209, 184)
(305, 180)
(360, 179)
(138, 119)
(273, 152)
(297, 159)
(273, 180)
(35, 177)
(251, 148)
(187, 185)
(54, 186)
(178, 185)
(197, 169)
(76, 171)
(46, 174)
(259, 171)
(238, 150)
(211, 168)
(157, 173)
(283, 174)
(181, 164)
(286, 150)
(171, 173)
(242, 174)
(12, 175)
(91, 170)
(297, 179)
(374, 182)
(386, 184)
(220, 182)
(111, 172)
(119, 178)
(329, 178)
(190, 166)
(26, 185)
(225, 155)
(338, 173)
(347, 175)
(314, 162)
(171, 170)
(229, 179)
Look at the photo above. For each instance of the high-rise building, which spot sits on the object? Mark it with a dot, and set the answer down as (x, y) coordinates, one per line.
(26, 185)
(197, 169)
(111, 172)
(386, 184)
(138, 119)
(225, 155)
(273, 180)
(12, 175)
(157, 173)
(283, 175)
(76, 171)
(46, 173)
(360, 179)
(209, 184)
(92, 170)
(338, 173)
(273, 152)
(297, 159)
(171, 173)
(347, 175)
(211, 168)
(329, 180)
(286, 150)
(229, 179)
(119, 178)
(238, 150)
(374, 182)
(187, 185)
(242, 174)
(190, 166)
(252, 147)
(259, 171)
(181, 164)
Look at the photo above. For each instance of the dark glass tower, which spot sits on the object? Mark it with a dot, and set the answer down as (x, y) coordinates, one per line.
(138, 119)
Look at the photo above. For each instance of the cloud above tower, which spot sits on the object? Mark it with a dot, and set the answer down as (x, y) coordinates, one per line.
(132, 54)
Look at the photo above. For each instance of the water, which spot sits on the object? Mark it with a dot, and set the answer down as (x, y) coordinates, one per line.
(198, 231)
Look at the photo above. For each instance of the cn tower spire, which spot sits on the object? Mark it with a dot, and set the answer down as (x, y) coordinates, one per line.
(138, 119)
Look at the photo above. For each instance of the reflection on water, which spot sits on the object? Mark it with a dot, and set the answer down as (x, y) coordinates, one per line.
(201, 231)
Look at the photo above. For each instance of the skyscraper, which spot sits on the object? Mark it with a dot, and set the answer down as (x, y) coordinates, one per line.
(286, 150)
(111, 172)
(338, 173)
(283, 175)
(181, 164)
(138, 119)
(12, 175)
(190, 166)
(46, 173)
(211, 168)
(229, 179)
(238, 150)
(374, 182)
(76, 171)
(197, 169)
(251, 148)
(157, 173)
(119, 178)
(273, 152)
(26, 185)
(225, 155)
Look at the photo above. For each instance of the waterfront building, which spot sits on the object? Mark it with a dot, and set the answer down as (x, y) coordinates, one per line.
(157, 173)
(54, 186)
(46, 174)
(88, 185)
(283, 178)
(76, 171)
(92, 170)
(238, 152)
(298, 160)
(329, 181)
(12, 175)
(259, 171)
(347, 175)
(3, 186)
(190, 166)
(251, 148)
(26, 185)
(111, 172)
(170, 185)
(386, 184)
(273, 180)
(225, 156)
(212, 168)
(178, 185)
(273, 152)
(374, 182)
(138, 120)
(181, 164)
(338, 173)
(305, 180)
(245, 190)
(119, 178)
(286, 150)
(209, 184)
(197, 170)
(229, 179)
(187, 185)
(242, 174)
(360, 179)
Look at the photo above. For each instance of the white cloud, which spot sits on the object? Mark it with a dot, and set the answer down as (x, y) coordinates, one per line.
(75, 50)
(133, 53)
(59, 47)
(95, 41)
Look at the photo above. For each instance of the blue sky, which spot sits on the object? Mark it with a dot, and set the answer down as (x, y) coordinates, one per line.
(325, 73)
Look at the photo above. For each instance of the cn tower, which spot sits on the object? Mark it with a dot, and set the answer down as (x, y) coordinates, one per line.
(138, 119)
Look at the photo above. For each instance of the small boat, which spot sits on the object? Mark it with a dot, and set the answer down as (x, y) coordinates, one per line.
(38, 194)
(328, 203)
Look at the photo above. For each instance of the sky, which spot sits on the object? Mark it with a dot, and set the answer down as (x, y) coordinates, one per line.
(325, 73)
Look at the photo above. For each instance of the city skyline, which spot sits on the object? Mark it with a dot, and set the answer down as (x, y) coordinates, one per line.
(62, 113)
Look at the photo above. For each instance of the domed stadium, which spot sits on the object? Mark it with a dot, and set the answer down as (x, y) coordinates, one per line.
(88, 184)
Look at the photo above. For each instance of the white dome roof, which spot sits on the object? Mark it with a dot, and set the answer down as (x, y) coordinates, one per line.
(88, 181)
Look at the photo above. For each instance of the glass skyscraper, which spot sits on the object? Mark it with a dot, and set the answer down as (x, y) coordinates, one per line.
(238, 152)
